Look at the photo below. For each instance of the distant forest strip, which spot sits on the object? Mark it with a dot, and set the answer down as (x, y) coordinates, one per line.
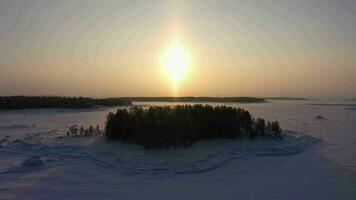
(198, 99)
(31, 102)
(286, 98)
(166, 127)
(331, 104)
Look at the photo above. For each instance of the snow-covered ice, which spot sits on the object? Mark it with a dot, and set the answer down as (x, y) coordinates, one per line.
(317, 159)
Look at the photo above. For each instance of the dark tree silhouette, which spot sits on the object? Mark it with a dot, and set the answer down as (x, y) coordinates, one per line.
(27, 102)
(165, 127)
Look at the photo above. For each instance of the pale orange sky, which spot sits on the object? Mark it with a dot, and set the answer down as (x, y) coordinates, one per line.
(236, 48)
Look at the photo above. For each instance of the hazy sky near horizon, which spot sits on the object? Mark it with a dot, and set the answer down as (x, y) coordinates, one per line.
(298, 48)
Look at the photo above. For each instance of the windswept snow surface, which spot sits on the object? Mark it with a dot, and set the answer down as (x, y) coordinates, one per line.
(316, 160)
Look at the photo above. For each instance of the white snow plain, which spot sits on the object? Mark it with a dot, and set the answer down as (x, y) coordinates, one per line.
(317, 160)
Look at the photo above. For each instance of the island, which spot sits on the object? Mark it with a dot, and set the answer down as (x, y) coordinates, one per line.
(167, 127)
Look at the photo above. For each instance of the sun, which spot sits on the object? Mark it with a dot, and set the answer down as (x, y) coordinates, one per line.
(176, 61)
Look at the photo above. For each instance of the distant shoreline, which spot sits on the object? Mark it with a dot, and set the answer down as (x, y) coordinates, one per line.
(332, 104)
(197, 99)
(286, 98)
(38, 102)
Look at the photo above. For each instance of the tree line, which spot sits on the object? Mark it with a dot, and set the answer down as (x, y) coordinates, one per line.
(75, 131)
(198, 99)
(166, 127)
(28, 102)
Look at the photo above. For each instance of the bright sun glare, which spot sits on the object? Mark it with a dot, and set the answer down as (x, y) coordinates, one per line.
(176, 61)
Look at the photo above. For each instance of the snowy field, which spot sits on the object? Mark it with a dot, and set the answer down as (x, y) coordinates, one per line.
(317, 160)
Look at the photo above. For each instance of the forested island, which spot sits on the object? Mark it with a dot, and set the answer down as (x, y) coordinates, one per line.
(166, 127)
(197, 99)
(31, 102)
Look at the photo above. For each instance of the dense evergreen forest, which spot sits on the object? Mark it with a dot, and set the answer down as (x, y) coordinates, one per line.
(27, 102)
(166, 127)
